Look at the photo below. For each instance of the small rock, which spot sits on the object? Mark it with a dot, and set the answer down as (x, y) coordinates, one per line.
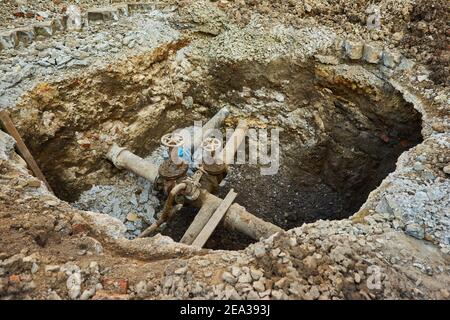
(231, 293)
(141, 288)
(280, 283)
(252, 295)
(188, 102)
(87, 294)
(133, 217)
(310, 262)
(353, 50)
(279, 97)
(292, 242)
(34, 268)
(53, 296)
(259, 250)
(313, 293)
(277, 294)
(275, 252)
(127, 40)
(259, 286)
(445, 294)
(235, 271)
(203, 263)
(422, 77)
(372, 54)
(390, 58)
(357, 278)
(245, 278)
(418, 166)
(229, 278)
(256, 274)
(52, 203)
(415, 230)
(181, 271)
(397, 36)
(52, 268)
(74, 285)
(447, 169)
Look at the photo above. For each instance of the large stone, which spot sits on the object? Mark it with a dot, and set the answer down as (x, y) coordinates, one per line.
(259, 250)
(229, 278)
(259, 286)
(313, 293)
(25, 35)
(232, 294)
(140, 7)
(103, 14)
(7, 144)
(391, 58)
(122, 9)
(46, 28)
(74, 20)
(353, 49)
(74, 285)
(415, 230)
(245, 278)
(406, 64)
(60, 23)
(372, 53)
(256, 274)
(111, 226)
(8, 39)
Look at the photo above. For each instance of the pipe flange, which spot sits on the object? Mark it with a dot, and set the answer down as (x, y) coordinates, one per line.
(170, 171)
(215, 169)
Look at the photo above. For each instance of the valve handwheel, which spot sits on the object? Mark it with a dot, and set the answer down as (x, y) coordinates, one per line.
(211, 144)
(172, 140)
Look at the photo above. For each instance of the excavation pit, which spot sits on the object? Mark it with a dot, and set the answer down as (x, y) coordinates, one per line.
(342, 130)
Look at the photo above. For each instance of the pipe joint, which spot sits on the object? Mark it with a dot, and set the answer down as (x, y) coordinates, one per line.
(113, 155)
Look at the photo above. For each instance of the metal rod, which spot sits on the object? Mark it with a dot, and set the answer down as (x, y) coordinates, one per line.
(167, 211)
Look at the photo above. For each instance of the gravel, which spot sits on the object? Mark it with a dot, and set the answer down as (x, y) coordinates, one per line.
(263, 43)
(67, 52)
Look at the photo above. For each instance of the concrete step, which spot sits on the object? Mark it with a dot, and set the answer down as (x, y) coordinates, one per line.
(103, 14)
(10, 39)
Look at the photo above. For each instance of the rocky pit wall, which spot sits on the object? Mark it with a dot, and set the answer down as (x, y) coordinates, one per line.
(395, 246)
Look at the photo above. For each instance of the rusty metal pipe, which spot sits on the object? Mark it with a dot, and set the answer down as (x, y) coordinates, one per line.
(167, 210)
(230, 149)
(236, 218)
(124, 159)
(214, 123)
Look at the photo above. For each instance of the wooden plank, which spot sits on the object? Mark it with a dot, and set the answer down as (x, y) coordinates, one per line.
(9, 127)
(215, 220)
(201, 219)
